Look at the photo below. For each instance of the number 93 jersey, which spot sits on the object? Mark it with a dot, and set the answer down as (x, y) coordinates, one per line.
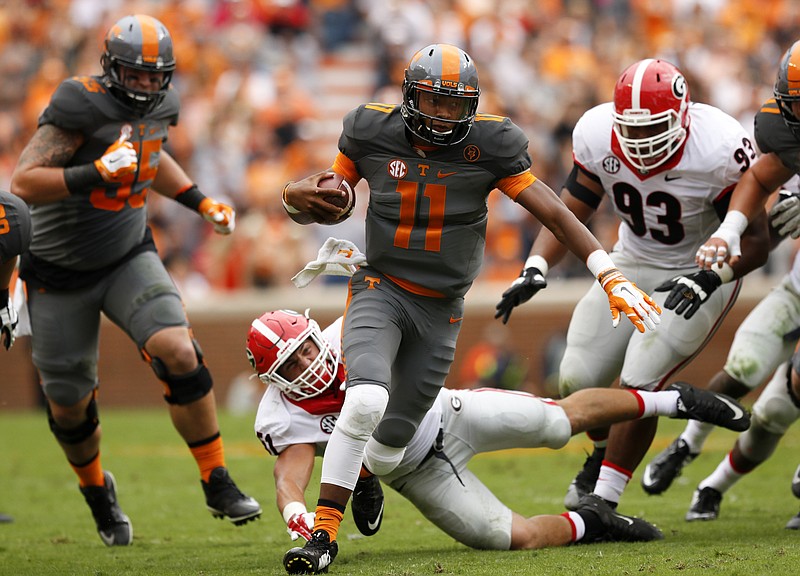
(96, 227)
(666, 214)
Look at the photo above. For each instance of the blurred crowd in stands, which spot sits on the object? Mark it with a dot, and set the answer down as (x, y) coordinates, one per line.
(264, 85)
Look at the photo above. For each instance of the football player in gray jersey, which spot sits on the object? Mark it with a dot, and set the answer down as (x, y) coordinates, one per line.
(777, 133)
(85, 173)
(15, 236)
(430, 164)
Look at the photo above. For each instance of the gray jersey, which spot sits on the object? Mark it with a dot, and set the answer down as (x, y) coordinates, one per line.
(15, 226)
(426, 221)
(773, 135)
(95, 228)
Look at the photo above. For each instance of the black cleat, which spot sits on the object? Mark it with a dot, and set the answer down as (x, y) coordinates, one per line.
(314, 557)
(664, 468)
(224, 499)
(793, 523)
(711, 407)
(796, 483)
(705, 504)
(368, 505)
(584, 482)
(617, 527)
(113, 526)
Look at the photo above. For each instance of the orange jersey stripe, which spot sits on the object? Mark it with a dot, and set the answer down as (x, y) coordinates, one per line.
(511, 186)
(344, 166)
(149, 39)
(770, 107)
(415, 288)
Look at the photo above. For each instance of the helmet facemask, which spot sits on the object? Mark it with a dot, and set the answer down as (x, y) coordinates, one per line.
(646, 152)
(452, 129)
(317, 376)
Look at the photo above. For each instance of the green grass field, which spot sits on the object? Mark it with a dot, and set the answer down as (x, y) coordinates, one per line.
(53, 532)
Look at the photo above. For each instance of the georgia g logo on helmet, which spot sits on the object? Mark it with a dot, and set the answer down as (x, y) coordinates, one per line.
(679, 86)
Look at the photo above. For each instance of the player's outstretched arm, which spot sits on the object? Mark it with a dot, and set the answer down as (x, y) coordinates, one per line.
(624, 297)
(292, 473)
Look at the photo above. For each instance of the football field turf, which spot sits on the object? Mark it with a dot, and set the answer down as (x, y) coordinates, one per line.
(159, 488)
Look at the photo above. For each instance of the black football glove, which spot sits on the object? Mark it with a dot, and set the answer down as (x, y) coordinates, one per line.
(522, 289)
(687, 293)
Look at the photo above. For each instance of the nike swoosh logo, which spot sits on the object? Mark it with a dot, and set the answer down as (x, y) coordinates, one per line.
(737, 412)
(373, 525)
(670, 178)
(628, 520)
(647, 477)
(456, 320)
(441, 174)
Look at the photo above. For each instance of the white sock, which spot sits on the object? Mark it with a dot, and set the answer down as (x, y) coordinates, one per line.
(611, 483)
(723, 477)
(695, 435)
(578, 525)
(664, 403)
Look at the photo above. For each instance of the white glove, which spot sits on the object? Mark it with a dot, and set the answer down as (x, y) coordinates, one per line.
(335, 258)
(8, 324)
(785, 214)
(300, 525)
(118, 161)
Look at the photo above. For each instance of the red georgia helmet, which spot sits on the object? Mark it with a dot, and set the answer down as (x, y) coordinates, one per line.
(650, 93)
(274, 337)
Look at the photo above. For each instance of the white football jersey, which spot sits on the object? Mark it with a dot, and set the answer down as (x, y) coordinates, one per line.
(281, 422)
(668, 214)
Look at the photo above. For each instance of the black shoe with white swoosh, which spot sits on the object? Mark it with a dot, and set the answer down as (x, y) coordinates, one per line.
(616, 527)
(314, 557)
(711, 407)
(705, 504)
(113, 525)
(368, 505)
(796, 483)
(664, 468)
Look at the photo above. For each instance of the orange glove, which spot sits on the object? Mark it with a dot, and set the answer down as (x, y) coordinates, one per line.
(222, 216)
(118, 161)
(625, 297)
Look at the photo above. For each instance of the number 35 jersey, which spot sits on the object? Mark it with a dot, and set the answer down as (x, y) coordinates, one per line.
(667, 214)
(94, 228)
(427, 214)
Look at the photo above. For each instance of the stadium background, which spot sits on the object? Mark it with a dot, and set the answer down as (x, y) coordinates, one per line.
(264, 85)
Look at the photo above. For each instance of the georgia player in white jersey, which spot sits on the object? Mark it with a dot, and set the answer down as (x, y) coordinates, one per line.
(668, 166)
(303, 371)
